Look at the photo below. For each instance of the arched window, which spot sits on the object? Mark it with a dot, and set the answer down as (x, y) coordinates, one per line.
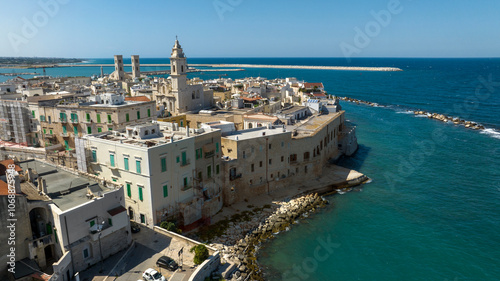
(173, 68)
(182, 68)
(250, 125)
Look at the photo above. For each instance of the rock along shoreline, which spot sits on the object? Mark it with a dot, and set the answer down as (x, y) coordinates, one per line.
(244, 252)
(440, 117)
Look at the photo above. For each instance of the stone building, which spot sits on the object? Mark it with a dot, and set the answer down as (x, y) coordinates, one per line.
(264, 159)
(178, 94)
(63, 120)
(65, 222)
(169, 172)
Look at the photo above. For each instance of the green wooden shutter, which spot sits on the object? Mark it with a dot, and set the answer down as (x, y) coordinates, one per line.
(140, 194)
(129, 190)
(165, 190)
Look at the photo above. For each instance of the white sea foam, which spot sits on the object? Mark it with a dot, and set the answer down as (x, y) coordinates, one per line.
(491, 132)
(405, 112)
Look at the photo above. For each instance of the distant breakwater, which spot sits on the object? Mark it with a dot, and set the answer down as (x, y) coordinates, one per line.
(356, 68)
(440, 117)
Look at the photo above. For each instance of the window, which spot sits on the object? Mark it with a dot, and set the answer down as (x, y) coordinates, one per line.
(110, 221)
(138, 114)
(306, 155)
(177, 159)
(89, 130)
(92, 223)
(75, 130)
(244, 155)
(114, 179)
(149, 112)
(185, 182)
(209, 171)
(143, 218)
(282, 144)
(66, 145)
(62, 116)
(74, 117)
(127, 117)
(98, 118)
(64, 129)
(112, 160)
(50, 132)
(260, 164)
(252, 168)
(270, 161)
(129, 190)
(42, 118)
(85, 253)
(282, 158)
(125, 163)
(99, 130)
(94, 156)
(109, 119)
(199, 153)
(32, 113)
(269, 146)
(44, 131)
(184, 159)
(217, 147)
(163, 162)
(138, 166)
(217, 169)
(88, 117)
(182, 123)
(140, 193)
(165, 190)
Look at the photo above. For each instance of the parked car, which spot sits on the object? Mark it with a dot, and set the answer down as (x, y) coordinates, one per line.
(167, 263)
(134, 227)
(152, 275)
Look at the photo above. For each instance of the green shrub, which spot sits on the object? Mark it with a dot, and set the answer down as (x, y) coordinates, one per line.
(168, 225)
(200, 254)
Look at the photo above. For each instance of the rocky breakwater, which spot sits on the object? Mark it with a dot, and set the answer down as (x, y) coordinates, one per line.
(449, 119)
(244, 252)
(440, 117)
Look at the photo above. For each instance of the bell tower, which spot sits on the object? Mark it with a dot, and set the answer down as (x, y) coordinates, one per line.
(178, 68)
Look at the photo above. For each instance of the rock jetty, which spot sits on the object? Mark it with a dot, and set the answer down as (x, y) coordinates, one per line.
(244, 252)
(440, 117)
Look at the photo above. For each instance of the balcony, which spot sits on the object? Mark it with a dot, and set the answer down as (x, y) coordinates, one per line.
(50, 136)
(234, 177)
(186, 187)
(112, 167)
(42, 241)
(64, 135)
(185, 163)
(63, 120)
(74, 121)
(87, 121)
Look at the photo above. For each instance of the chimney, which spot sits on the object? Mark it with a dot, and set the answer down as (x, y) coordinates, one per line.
(187, 131)
(40, 183)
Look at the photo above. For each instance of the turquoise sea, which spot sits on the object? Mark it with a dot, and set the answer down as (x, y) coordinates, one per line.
(432, 209)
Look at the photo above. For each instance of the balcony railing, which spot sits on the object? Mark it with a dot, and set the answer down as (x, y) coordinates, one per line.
(74, 121)
(42, 241)
(185, 163)
(63, 120)
(64, 135)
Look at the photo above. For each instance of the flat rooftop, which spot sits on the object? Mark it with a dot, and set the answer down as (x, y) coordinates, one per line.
(257, 132)
(163, 137)
(65, 189)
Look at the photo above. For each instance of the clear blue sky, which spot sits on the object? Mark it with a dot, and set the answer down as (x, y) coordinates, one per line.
(249, 28)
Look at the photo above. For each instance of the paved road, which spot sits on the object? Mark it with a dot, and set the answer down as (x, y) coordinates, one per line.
(149, 246)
